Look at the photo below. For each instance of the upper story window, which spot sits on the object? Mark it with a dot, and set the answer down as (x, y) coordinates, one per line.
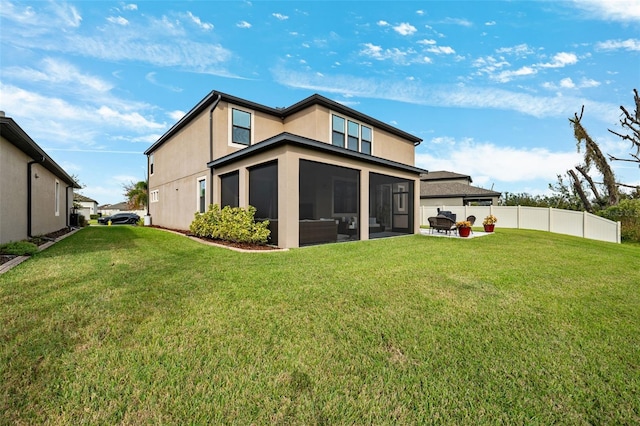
(150, 164)
(337, 134)
(365, 140)
(357, 137)
(240, 127)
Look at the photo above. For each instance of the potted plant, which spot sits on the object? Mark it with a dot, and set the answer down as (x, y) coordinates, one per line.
(489, 223)
(464, 228)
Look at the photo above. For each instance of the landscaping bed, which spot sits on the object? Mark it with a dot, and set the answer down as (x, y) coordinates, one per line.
(38, 241)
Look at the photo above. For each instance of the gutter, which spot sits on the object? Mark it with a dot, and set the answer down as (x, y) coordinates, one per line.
(213, 107)
(29, 194)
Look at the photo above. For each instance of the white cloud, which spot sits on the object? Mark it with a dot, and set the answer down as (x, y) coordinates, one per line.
(405, 29)
(446, 50)
(446, 95)
(69, 14)
(490, 163)
(611, 10)
(560, 60)
(506, 76)
(176, 115)
(118, 20)
(567, 83)
(280, 16)
(457, 21)
(130, 6)
(518, 50)
(587, 82)
(629, 44)
(243, 24)
(57, 72)
(420, 12)
(490, 23)
(398, 56)
(427, 41)
(196, 20)
(382, 23)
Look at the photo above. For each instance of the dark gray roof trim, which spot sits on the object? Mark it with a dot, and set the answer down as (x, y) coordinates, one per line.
(11, 131)
(288, 138)
(282, 113)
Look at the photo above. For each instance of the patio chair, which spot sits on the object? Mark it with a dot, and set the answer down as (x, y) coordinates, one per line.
(471, 219)
(441, 223)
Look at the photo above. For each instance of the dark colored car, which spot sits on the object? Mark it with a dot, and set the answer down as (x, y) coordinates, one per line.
(119, 218)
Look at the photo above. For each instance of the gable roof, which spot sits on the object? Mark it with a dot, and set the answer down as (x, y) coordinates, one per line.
(212, 99)
(453, 190)
(288, 138)
(11, 131)
(444, 175)
(82, 198)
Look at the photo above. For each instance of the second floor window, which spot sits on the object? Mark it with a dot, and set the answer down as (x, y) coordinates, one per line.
(351, 135)
(241, 127)
(337, 135)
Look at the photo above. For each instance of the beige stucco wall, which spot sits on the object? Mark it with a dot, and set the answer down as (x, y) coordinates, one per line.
(13, 193)
(315, 123)
(180, 162)
(44, 217)
(289, 157)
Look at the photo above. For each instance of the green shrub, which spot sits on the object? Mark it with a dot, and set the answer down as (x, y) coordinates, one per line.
(82, 221)
(627, 212)
(19, 248)
(94, 216)
(234, 224)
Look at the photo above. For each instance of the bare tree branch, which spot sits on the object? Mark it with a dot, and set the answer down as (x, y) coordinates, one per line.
(578, 187)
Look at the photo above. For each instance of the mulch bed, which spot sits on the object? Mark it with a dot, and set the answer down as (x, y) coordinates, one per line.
(38, 240)
(241, 246)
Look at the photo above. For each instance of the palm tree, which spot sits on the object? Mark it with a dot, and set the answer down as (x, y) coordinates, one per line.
(137, 194)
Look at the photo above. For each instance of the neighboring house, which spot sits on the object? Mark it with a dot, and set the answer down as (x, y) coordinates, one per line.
(111, 209)
(453, 189)
(87, 206)
(36, 194)
(317, 170)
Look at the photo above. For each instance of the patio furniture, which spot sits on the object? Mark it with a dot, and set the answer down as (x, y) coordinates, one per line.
(441, 223)
(472, 220)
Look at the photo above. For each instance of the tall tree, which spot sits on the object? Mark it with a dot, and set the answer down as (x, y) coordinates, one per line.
(137, 195)
(632, 124)
(593, 156)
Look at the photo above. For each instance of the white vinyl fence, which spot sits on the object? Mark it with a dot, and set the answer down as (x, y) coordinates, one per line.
(579, 224)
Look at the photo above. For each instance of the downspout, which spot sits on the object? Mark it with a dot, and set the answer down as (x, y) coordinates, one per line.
(148, 176)
(29, 191)
(66, 200)
(215, 104)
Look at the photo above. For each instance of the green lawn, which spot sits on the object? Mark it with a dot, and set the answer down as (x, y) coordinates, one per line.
(135, 325)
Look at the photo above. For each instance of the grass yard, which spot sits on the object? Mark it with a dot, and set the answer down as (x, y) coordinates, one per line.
(135, 325)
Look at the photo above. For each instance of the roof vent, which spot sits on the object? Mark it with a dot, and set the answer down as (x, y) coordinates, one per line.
(2, 114)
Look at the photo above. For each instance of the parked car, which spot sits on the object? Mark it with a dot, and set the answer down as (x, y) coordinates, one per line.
(119, 218)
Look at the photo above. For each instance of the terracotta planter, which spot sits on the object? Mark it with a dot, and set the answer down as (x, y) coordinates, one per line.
(464, 231)
(488, 228)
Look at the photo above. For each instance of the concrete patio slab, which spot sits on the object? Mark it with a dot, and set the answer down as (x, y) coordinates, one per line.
(474, 234)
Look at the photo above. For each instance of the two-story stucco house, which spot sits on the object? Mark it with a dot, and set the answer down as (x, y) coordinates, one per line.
(318, 170)
(36, 194)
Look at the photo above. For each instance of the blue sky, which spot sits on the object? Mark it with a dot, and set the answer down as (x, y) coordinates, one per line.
(488, 85)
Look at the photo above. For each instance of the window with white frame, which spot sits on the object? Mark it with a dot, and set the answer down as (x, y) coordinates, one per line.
(154, 196)
(241, 127)
(350, 134)
(202, 194)
(150, 164)
(57, 198)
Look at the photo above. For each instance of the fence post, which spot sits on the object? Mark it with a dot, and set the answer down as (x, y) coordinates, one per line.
(584, 224)
(549, 222)
(518, 216)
